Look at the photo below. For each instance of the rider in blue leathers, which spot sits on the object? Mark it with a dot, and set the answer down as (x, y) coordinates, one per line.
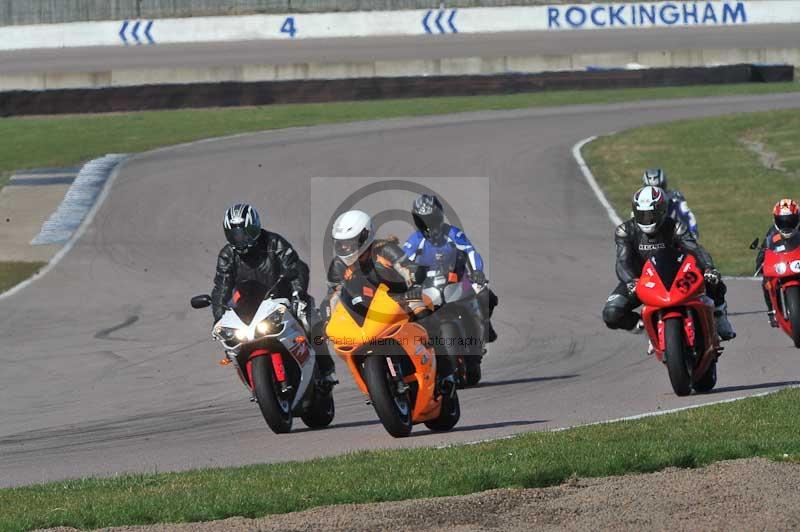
(677, 207)
(437, 242)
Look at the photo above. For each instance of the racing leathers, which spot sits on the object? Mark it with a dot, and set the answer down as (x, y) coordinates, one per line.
(382, 263)
(271, 256)
(776, 242)
(634, 248)
(422, 252)
(678, 209)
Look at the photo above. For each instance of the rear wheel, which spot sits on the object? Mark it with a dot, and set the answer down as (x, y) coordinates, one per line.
(676, 357)
(393, 409)
(321, 411)
(708, 381)
(449, 415)
(276, 409)
(473, 370)
(792, 297)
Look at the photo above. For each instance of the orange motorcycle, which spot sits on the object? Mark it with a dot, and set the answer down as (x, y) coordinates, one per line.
(388, 355)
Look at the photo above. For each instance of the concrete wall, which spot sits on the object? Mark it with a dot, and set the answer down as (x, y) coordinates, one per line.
(406, 68)
(18, 12)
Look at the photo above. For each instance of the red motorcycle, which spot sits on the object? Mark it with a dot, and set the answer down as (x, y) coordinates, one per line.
(781, 271)
(679, 319)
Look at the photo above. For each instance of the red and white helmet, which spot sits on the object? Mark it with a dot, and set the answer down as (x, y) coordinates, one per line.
(787, 217)
(649, 208)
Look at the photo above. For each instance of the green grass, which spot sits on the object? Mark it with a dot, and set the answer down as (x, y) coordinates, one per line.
(68, 140)
(726, 184)
(765, 426)
(12, 273)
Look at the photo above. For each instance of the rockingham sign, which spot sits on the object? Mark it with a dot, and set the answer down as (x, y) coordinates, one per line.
(423, 23)
(646, 15)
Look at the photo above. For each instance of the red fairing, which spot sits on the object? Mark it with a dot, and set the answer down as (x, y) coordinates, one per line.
(686, 293)
(782, 264)
(254, 354)
(781, 270)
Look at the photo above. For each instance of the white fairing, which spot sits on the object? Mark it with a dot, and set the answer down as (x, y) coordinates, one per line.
(285, 334)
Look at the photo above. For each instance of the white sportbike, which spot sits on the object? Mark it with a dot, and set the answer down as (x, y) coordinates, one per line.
(269, 348)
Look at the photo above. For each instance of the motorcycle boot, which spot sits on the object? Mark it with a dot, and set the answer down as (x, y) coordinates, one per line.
(773, 322)
(724, 327)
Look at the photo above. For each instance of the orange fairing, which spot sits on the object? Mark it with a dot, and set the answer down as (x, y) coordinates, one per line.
(387, 323)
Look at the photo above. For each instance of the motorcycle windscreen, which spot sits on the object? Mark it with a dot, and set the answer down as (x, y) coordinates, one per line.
(362, 318)
(247, 298)
(667, 263)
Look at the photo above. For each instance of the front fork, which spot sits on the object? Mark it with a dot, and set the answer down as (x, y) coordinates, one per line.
(689, 330)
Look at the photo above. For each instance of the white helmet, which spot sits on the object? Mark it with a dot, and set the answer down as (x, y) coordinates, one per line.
(649, 209)
(352, 234)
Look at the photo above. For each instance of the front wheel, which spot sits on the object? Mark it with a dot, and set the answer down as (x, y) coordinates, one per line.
(393, 409)
(277, 410)
(675, 353)
(707, 381)
(792, 298)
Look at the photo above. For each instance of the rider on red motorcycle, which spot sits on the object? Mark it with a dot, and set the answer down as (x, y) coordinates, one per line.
(783, 232)
(637, 240)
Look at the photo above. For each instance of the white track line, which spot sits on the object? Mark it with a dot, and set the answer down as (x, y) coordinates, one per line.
(75, 236)
(587, 173)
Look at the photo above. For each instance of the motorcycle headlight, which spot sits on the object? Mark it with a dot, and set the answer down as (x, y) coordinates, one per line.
(226, 333)
(271, 324)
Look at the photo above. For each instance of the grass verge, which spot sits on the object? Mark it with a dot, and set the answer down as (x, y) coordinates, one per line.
(68, 140)
(732, 170)
(12, 273)
(764, 426)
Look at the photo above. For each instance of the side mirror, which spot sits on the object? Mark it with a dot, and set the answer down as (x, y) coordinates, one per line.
(754, 244)
(202, 301)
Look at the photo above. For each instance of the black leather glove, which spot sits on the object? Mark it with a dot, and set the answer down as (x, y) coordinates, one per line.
(712, 276)
(632, 287)
(414, 293)
(478, 277)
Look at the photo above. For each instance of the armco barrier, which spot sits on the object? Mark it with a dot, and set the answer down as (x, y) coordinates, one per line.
(113, 99)
(147, 30)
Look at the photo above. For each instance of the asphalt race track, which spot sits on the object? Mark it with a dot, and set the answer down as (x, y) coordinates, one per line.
(398, 48)
(105, 368)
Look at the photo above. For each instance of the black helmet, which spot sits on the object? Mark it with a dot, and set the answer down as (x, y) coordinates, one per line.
(242, 226)
(649, 209)
(655, 177)
(429, 216)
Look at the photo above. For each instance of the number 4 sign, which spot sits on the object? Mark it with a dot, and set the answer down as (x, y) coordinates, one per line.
(288, 27)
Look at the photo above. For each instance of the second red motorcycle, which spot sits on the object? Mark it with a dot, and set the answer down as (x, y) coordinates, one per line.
(781, 272)
(679, 319)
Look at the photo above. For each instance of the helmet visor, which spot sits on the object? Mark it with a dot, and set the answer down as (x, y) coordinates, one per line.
(429, 223)
(348, 246)
(787, 222)
(240, 239)
(646, 217)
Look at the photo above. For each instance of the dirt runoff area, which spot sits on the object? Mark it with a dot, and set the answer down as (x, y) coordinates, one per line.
(754, 494)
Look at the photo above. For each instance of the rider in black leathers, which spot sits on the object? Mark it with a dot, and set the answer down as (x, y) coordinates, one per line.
(635, 247)
(254, 254)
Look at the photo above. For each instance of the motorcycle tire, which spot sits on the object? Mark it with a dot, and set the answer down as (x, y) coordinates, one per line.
(792, 298)
(321, 412)
(474, 370)
(277, 411)
(675, 353)
(393, 410)
(707, 381)
(448, 416)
